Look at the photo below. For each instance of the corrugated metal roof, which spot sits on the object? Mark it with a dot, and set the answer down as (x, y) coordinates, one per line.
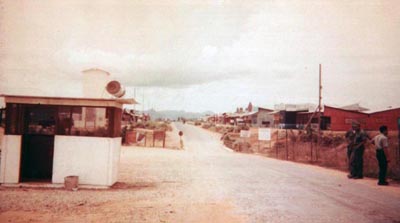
(355, 107)
(381, 110)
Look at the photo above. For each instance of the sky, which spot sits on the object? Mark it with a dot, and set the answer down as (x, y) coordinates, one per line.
(206, 55)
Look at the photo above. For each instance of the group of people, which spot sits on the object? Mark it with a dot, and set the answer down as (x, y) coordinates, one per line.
(357, 138)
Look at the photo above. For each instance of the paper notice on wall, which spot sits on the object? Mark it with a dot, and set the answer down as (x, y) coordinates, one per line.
(244, 133)
(264, 134)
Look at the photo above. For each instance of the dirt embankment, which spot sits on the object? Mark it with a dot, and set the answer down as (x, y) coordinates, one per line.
(297, 145)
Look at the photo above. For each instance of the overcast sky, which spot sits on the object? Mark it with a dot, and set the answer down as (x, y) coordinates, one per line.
(206, 55)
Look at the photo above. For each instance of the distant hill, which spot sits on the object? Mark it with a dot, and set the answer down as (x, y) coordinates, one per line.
(174, 115)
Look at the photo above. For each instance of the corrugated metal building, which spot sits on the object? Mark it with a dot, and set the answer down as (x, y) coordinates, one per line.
(341, 119)
(390, 118)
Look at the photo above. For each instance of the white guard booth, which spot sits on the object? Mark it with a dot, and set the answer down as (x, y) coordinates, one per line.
(48, 138)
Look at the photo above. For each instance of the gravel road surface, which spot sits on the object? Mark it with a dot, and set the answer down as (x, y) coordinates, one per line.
(207, 182)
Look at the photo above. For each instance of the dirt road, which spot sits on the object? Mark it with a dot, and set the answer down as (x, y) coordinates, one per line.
(208, 183)
(269, 190)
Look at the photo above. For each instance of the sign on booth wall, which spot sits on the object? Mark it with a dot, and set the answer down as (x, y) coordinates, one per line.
(245, 133)
(264, 134)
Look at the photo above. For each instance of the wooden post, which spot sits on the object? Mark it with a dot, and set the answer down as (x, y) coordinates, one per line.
(294, 150)
(311, 146)
(286, 145)
(294, 146)
(134, 96)
(277, 139)
(398, 137)
(319, 113)
(270, 143)
(154, 137)
(163, 145)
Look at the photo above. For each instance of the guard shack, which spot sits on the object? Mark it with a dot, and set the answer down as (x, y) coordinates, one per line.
(49, 138)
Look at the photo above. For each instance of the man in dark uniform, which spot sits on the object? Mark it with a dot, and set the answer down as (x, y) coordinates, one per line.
(355, 150)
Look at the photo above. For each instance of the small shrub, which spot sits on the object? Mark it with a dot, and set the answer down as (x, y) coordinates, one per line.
(279, 145)
(241, 146)
(337, 140)
(327, 140)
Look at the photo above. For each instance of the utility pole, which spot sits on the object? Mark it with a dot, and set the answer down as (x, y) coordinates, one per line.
(143, 101)
(134, 96)
(319, 112)
(286, 145)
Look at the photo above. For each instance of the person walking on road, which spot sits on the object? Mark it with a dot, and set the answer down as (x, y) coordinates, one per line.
(355, 150)
(381, 144)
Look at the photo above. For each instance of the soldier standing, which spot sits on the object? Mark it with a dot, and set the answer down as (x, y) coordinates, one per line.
(355, 150)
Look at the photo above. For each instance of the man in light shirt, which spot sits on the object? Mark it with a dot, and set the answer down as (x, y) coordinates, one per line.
(382, 155)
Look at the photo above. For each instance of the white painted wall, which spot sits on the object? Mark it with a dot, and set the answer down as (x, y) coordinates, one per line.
(94, 159)
(264, 116)
(10, 159)
(114, 164)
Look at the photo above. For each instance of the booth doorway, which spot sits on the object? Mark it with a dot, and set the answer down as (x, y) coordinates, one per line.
(38, 144)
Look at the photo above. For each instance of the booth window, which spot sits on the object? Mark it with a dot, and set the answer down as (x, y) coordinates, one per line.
(2, 116)
(64, 120)
(14, 119)
(90, 121)
(41, 120)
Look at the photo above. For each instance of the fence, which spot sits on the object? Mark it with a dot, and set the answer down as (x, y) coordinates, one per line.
(145, 137)
(299, 146)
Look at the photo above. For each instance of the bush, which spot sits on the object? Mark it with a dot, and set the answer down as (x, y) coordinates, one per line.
(304, 137)
(326, 140)
(292, 136)
(279, 145)
(240, 146)
(207, 125)
(237, 129)
(165, 126)
(150, 125)
(230, 129)
(139, 125)
(337, 140)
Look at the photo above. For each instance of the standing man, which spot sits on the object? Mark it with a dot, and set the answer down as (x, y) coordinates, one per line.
(355, 150)
(381, 144)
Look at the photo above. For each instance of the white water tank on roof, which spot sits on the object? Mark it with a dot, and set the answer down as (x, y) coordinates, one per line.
(94, 83)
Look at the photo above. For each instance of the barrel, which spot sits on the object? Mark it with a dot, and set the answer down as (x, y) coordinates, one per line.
(130, 137)
(71, 182)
